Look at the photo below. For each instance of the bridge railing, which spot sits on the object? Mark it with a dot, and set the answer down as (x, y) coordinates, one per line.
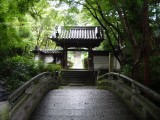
(143, 101)
(24, 100)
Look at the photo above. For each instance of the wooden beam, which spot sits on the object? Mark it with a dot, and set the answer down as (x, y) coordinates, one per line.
(90, 58)
(65, 58)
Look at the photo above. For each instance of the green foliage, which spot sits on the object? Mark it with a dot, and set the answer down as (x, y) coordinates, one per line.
(43, 19)
(155, 70)
(18, 22)
(17, 70)
(51, 67)
(11, 32)
(85, 63)
(127, 70)
(23, 24)
(70, 64)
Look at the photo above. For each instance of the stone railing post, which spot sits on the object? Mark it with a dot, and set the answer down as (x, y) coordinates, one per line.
(111, 62)
(4, 104)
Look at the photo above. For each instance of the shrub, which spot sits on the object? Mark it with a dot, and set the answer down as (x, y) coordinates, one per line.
(155, 70)
(53, 67)
(69, 64)
(127, 70)
(85, 63)
(17, 70)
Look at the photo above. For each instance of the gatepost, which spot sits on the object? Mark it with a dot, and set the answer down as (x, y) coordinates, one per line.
(111, 61)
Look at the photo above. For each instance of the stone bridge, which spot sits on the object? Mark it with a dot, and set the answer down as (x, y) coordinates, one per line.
(117, 98)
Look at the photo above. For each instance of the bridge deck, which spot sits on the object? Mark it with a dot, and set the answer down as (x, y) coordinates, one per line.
(81, 103)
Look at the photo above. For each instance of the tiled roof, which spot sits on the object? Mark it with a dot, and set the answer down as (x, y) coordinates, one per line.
(78, 35)
(47, 51)
(51, 51)
(60, 52)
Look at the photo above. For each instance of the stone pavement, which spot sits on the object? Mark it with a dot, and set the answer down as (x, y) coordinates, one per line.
(81, 103)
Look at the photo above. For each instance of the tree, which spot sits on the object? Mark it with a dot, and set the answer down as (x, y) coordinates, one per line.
(128, 23)
(43, 18)
(13, 28)
(131, 27)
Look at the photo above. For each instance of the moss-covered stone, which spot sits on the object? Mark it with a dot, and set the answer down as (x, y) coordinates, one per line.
(4, 110)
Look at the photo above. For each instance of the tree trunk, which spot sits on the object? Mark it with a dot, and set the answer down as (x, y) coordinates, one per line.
(136, 67)
(147, 47)
(147, 77)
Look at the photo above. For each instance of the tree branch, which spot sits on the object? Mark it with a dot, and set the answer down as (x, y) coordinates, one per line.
(104, 18)
(126, 25)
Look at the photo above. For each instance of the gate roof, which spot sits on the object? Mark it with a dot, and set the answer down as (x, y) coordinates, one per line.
(78, 36)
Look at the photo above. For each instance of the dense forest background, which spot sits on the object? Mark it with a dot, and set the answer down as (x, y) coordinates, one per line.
(132, 31)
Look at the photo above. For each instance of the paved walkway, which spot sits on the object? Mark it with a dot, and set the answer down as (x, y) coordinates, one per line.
(81, 103)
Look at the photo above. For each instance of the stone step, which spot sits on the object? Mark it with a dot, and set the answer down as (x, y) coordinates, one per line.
(76, 84)
(77, 77)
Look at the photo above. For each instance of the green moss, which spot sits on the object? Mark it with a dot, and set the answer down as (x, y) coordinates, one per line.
(4, 110)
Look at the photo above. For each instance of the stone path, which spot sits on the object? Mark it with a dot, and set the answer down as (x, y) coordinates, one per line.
(81, 103)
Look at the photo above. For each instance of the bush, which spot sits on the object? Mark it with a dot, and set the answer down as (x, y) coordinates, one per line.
(17, 70)
(69, 64)
(155, 70)
(52, 67)
(85, 63)
(127, 70)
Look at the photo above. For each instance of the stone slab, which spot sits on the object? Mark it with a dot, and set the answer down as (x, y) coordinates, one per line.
(81, 103)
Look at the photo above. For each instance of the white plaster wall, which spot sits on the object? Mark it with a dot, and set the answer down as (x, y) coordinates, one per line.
(116, 64)
(36, 57)
(48, 58)
(101, 62)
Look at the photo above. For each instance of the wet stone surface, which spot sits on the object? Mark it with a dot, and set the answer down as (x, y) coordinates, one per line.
(81, 103)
